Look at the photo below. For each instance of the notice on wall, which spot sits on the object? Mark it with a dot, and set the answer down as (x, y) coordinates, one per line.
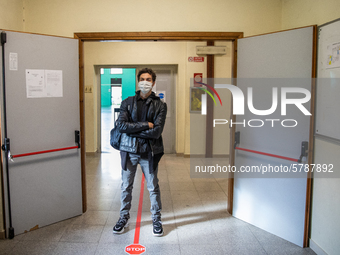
(196, 59)
(162, 95)
(54, 83)
(333, 55)
(13, 61)
(198, 77)
(44, 83)
(35, 83)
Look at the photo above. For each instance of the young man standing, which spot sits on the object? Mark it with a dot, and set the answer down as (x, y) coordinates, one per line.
(145, 120)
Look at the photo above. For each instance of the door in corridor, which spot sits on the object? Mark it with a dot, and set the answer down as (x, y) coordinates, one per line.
(42, 99)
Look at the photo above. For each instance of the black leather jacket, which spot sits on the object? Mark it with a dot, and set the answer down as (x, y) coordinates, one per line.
(156, 114)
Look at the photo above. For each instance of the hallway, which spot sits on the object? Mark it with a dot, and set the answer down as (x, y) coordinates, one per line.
(194, 217)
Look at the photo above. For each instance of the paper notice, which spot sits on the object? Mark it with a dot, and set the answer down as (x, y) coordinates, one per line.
(35, 83)
(54, 83)
(13, 61)
(44, 83)
(162, 95)
(333, 55)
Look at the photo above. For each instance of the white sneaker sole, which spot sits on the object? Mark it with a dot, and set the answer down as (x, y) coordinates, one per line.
(160, 234)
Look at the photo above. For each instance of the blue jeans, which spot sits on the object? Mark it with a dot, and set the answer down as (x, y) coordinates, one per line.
(128, 177)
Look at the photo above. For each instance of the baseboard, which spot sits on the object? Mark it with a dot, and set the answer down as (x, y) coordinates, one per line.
(180, 155)
(91, 154)
(194, 155)
(3, 234)
(221, 156)
(316, 248)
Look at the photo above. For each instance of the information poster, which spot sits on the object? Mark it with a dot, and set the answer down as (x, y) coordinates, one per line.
(162, 95)
(13, 61)
(54, 83)
(44, 83)
(333, 55)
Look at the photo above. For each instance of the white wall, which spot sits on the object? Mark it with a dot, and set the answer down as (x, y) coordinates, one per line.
(11, 15)
(299, 13)
(64, 17)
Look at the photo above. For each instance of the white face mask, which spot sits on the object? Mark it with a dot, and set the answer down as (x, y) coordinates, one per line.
(145, 86)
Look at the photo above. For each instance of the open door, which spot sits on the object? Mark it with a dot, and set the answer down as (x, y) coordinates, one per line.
(274, 194)
(40, 113)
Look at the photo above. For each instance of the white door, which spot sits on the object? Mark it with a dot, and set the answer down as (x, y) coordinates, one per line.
(42, 109)
(275, 203)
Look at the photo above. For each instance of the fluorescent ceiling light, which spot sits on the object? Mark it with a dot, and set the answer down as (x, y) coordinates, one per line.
(116, 70)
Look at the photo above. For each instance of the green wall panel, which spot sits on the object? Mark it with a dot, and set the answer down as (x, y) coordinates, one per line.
(106, 95)
(128, 84)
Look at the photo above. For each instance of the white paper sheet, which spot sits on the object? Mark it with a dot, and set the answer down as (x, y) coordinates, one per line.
(13, 61)
(44, 83)
(35, 83)
(54, 83)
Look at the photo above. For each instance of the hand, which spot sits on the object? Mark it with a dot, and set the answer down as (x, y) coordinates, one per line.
(150, 125)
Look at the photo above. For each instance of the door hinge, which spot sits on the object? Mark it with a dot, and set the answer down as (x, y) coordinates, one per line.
(3, 38)
(6, 146)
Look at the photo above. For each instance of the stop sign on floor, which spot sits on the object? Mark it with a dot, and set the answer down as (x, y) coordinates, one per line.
(135, 249)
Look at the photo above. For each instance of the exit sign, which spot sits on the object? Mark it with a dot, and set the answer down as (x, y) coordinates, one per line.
(196, 59)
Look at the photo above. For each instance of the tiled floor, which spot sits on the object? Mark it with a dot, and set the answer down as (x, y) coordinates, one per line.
(194, 218)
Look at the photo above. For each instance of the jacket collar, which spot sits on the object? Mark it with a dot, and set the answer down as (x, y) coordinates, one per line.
(149, 98)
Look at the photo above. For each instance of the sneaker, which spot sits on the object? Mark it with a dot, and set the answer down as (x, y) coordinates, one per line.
(120, 225)
(157, 228)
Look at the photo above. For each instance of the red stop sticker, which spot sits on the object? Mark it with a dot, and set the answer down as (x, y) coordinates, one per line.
(135, 249)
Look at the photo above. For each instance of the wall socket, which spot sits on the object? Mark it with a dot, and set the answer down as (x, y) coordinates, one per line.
(88, 89)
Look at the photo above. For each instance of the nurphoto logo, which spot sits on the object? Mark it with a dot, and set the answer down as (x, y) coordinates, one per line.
(238, 98)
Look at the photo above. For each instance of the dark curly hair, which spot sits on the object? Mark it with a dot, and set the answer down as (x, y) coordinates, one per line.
(149, 71)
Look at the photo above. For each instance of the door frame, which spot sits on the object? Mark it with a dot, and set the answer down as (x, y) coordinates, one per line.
(142, 36)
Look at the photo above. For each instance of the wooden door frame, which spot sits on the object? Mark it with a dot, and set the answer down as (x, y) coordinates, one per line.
(142, 36)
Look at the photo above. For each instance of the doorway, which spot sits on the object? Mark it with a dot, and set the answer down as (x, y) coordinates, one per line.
(116, 84)
(119, 82)
(139, 37)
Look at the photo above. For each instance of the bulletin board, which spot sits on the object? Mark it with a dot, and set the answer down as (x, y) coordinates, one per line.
(328, 82)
